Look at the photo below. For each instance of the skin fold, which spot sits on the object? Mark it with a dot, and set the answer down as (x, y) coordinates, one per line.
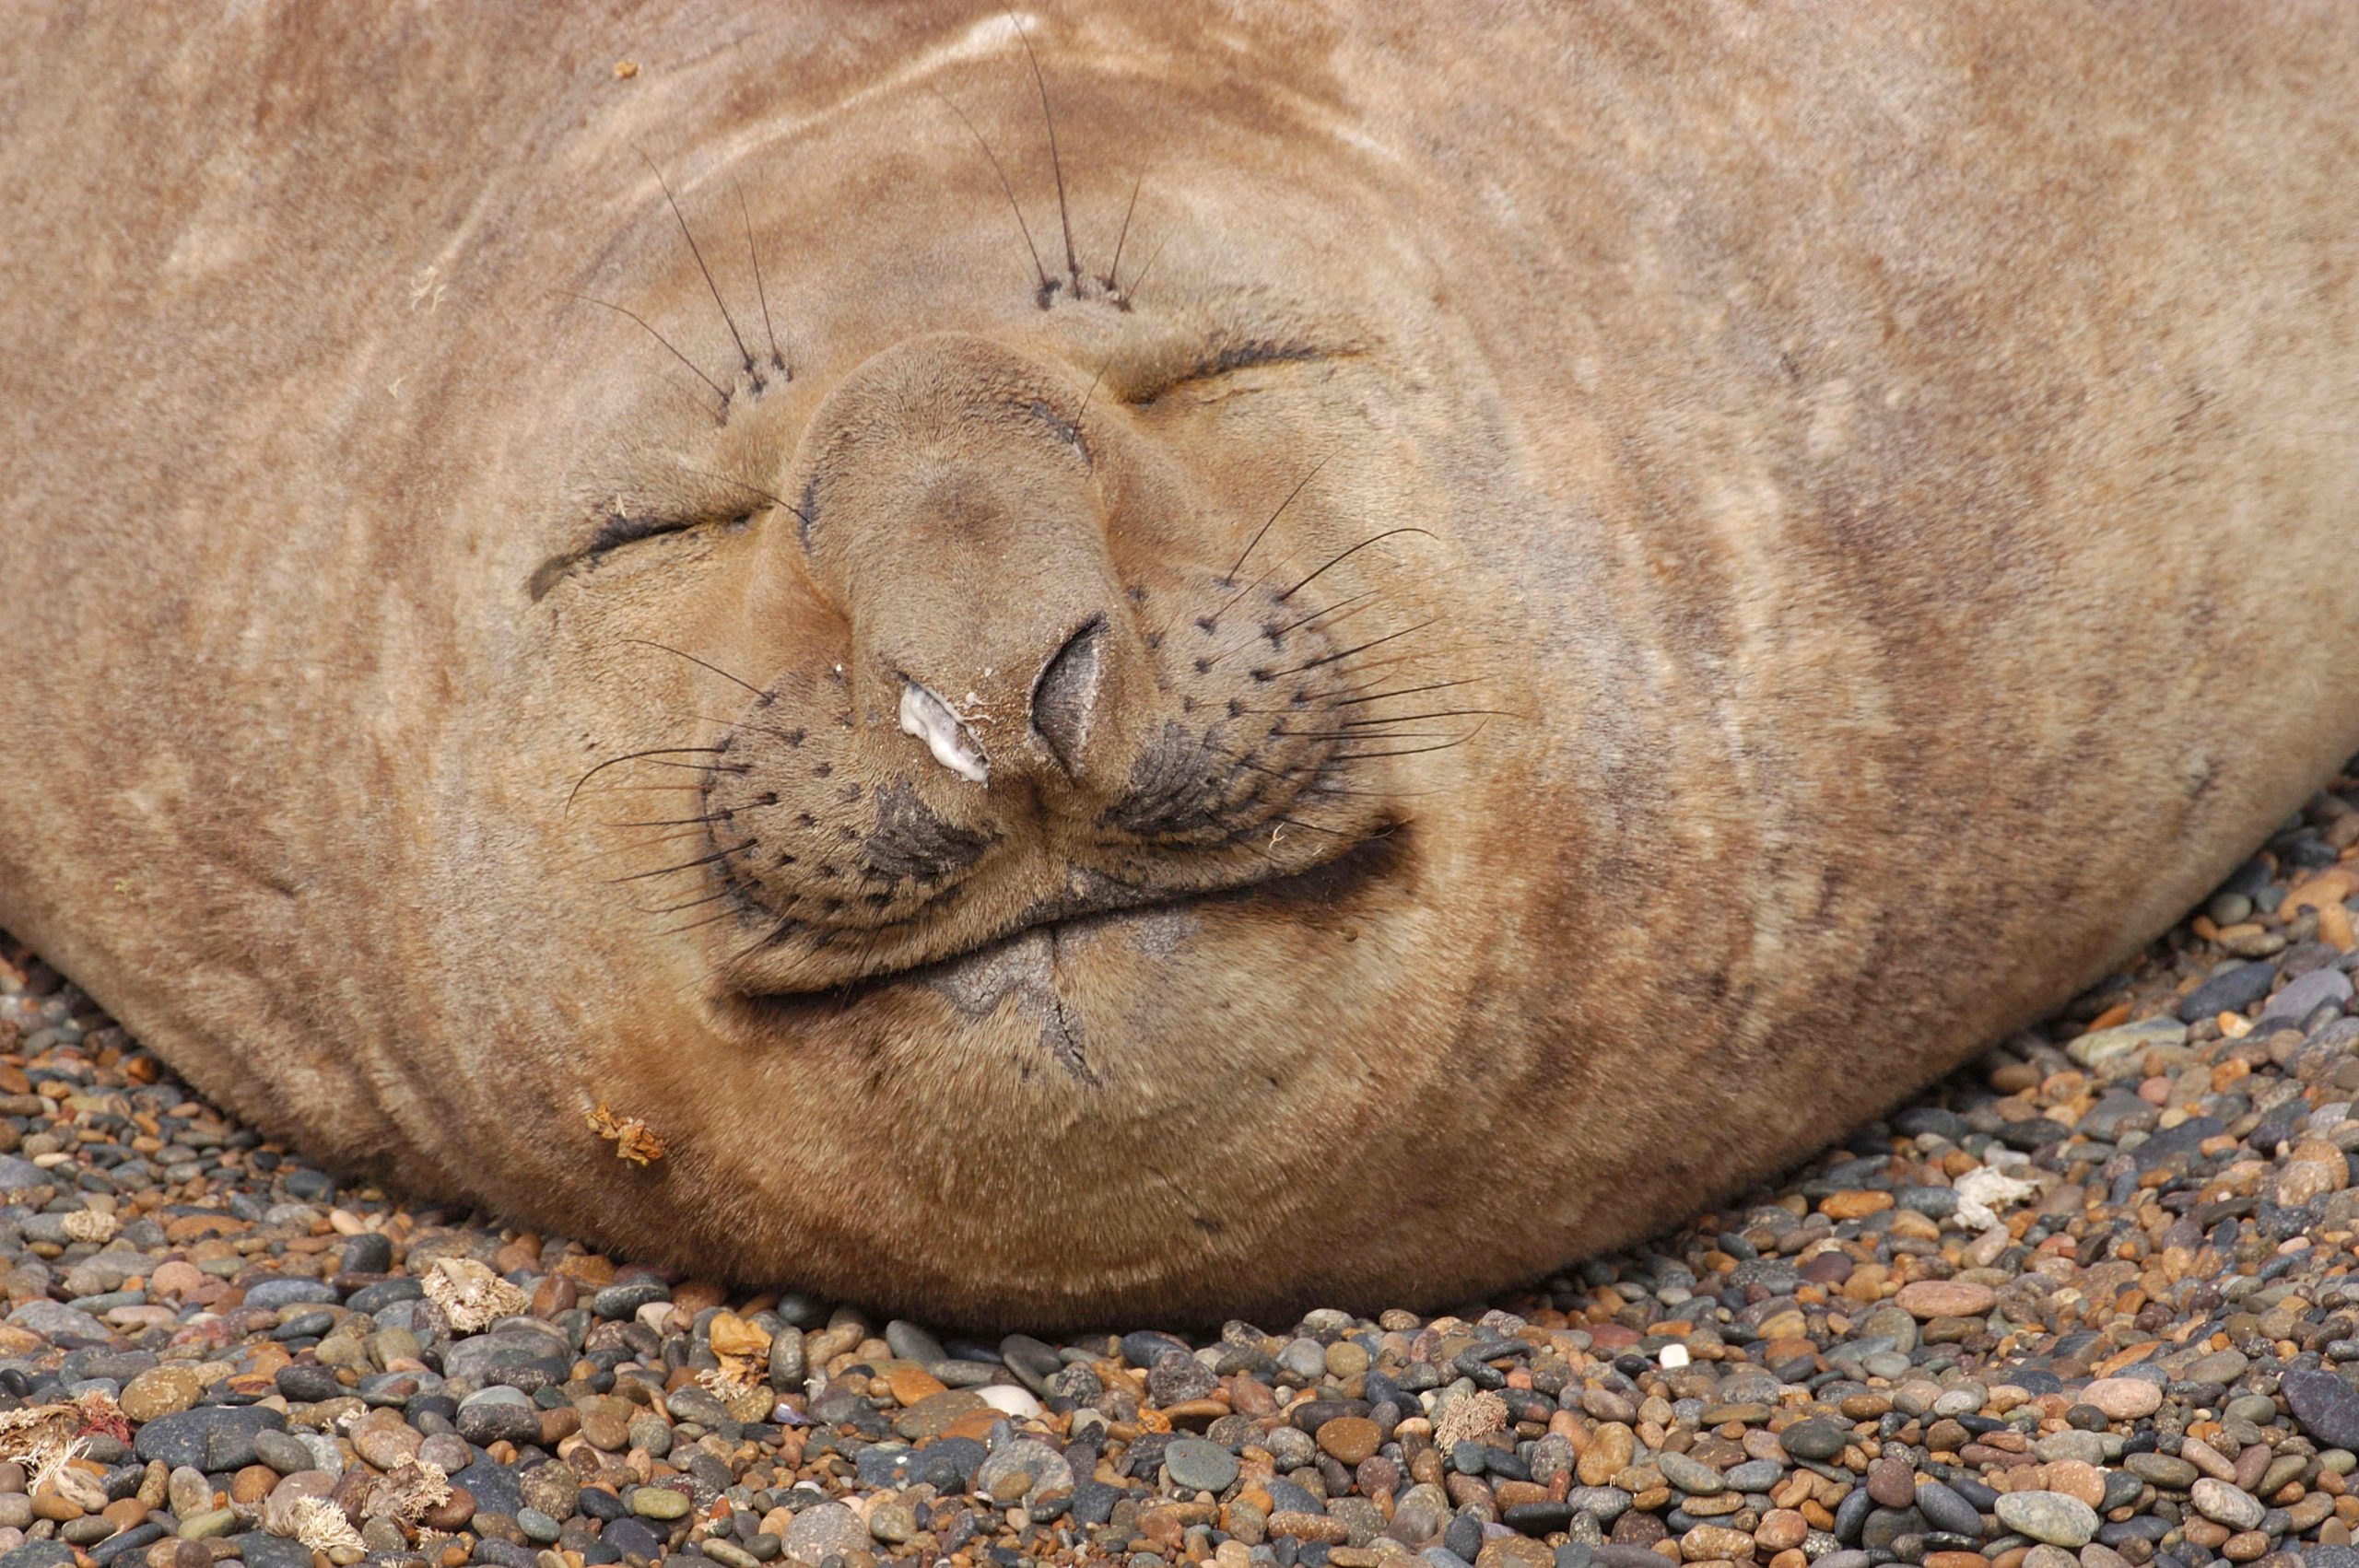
(1425, 640)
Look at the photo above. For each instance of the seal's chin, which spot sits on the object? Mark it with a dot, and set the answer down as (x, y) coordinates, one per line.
(1024, 956)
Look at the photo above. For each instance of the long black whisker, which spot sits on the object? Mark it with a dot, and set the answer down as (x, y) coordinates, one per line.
(1228, 578)
(634, 756)
(1005, 189)
(687, 865)
(1346, 653)
(1401, 691)
(701, 663)
(673, 822)
(1347, 556)
(1056, 162)
(1124, 234)
(610, 305)
(760, 293)
(744, 355)
(1139, 276)
(1353, 735)
(1412, 750)
(1092, 390)
(1439, 713)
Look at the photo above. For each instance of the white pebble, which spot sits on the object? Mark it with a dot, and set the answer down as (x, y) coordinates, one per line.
(1011, 1401)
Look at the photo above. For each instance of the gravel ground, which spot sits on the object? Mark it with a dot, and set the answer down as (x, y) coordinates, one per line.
(2089, 1302)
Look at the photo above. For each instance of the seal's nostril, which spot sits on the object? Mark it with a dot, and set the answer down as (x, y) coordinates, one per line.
(1064, 699)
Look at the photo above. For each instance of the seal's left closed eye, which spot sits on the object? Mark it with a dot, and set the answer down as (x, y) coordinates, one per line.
(620, 528)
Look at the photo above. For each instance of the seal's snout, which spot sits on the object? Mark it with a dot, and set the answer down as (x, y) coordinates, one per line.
(1052, 695)
(954, 516)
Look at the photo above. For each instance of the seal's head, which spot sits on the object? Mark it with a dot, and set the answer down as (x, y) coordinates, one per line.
(1004, 722)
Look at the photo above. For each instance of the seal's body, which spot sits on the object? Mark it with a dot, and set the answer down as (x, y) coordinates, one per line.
(1418, 644)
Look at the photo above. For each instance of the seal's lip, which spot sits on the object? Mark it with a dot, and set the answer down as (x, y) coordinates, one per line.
(1323, 885)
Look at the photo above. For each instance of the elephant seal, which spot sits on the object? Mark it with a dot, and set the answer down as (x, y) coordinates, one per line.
(1106, 661)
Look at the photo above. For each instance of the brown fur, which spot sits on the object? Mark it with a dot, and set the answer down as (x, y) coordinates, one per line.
(1886, 478)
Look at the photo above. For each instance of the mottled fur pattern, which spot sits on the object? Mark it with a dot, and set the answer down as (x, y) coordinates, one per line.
(1841, 519)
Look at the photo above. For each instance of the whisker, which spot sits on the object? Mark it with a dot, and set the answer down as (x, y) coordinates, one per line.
(674, 822)
(1410, 750)
(1124, 234)
(1092, 390)
(1350, 735)
(760, 294)
(650, 642)
(1401, 691)
(1056, 163)
(1007, 190)
(1347, 556)
(633, 315)
(1346, 653)
(634, 756)
(1440, 713)
(1228, 578)
(744, 356)
(687, 865)
(1140, 276)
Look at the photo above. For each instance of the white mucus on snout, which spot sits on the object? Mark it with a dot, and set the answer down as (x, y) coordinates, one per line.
(931, 720)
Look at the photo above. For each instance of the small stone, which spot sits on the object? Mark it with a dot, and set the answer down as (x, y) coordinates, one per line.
(2163, 1471)
(208, 1437)
(1816, 1440)
(2048, 1517)
(2226, 1505)
(1892, 1482)
(1927, 1299)
(159, 1391)
(827, 1529)
(1350, 1439)
(1945, 1510)
(1691, 1475)
(1195, 1465)
(659, 1503)
(2124, 1398)
(2231, 991)
(1016, 1404)
(2101, 1046)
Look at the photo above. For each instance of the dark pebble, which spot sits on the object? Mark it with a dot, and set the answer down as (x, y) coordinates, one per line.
(263, 1550)
(496, 1489)
(307, 1384)
(369, 1252)
(209, 1437)
(2232, 991)
(374, 1299)
(632, 1539)
(141, 1535)
(1538, 1518)
(2325, 1407)
(1945, 1510)
(1144, 1348)
(38, 1554)
(624, 1300)
(1820, 1440)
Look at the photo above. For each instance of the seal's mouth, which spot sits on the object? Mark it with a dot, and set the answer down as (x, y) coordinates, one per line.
(1323, 887)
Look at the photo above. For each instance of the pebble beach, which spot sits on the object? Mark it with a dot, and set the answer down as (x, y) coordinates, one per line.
(2089, 1302)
